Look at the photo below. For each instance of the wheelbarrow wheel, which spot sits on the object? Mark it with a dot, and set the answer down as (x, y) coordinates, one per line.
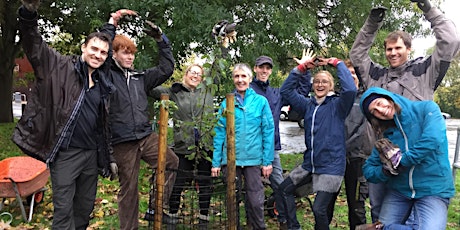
(38, 197)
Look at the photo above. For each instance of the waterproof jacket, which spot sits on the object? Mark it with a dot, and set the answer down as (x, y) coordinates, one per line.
(324, 123)
(416, 79)
(276, 101)
(56, 97)
(360, 136)
(254, 132)
(420, 133)
(195, 107)
(129, 117)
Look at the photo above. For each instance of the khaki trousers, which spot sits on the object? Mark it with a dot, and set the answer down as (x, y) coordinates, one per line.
(128, 156)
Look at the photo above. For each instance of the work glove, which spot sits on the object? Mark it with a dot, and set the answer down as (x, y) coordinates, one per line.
(224, 32)
(307, 61)
(113, 171)
(333, 61)
(424, 5)
(121, 13)
(31, 5)
(390, 155)
(153, 30)
(377, 13)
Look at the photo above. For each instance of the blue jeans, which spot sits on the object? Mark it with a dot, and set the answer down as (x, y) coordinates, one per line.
(276, 178)
(376, 195)
(430, 211)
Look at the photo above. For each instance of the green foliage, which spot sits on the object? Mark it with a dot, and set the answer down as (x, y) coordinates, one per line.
(448, 93)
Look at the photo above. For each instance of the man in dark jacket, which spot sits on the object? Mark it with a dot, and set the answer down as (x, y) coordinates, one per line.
(65, 120)
(261, 84)
(359, 144)
(132, 135)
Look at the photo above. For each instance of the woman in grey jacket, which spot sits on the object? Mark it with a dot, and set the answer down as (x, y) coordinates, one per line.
(192, 136)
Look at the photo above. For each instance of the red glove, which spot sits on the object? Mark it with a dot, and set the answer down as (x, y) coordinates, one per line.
(333, 61)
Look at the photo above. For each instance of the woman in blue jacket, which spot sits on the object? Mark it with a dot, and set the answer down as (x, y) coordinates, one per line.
(254, 143)
(417, 172)
(324, 116)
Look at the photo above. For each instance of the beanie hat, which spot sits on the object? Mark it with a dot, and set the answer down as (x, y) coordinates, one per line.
(367, 101)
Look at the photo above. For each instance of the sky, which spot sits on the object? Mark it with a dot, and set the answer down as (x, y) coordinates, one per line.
(450, 7)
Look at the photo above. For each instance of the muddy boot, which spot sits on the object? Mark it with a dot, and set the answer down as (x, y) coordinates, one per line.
(170, 218)
(203, 222)
(283, 226)
(375, 226)
(149, 215)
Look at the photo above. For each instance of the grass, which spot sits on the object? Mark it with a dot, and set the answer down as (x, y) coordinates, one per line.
(105, 211)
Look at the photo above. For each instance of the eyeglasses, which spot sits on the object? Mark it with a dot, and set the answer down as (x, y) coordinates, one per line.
(195, 73)
(317, 82)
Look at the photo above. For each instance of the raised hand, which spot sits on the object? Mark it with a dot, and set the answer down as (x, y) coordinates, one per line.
(153, 30)
(377, 13)
(117, 15)
(307, 60)
(424, 5)
(31, 5)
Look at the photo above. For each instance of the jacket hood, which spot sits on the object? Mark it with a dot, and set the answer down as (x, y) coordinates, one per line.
(371, 92)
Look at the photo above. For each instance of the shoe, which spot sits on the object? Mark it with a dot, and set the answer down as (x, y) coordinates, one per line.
(375, 226)
(203, 222)
(149, 215)
(171, 218)
(283, 225)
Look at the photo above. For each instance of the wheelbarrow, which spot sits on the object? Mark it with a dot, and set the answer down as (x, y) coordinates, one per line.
(20, 177)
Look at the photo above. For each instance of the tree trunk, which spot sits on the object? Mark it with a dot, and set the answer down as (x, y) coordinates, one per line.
(9, 50)
(6, 108)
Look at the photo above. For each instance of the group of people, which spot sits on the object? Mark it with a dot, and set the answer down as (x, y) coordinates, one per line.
(381, 134)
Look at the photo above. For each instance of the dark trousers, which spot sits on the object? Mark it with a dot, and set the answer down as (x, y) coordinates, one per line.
(74, 183)
(323, 209)
(185, 175)
(254, 197)
(357, 192)
(128, 156)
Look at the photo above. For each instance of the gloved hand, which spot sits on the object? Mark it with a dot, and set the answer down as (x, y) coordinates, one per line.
(333, 61)
(116, 16)
(224, 32)
(113, 171)
(31, 5)
(390, 155)
(377, 13)
(424, 5)
(153, 30)
(307, 61)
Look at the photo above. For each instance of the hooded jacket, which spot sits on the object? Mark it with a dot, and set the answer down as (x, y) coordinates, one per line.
(420, 133)
(194, 108)
(57, 96)
(416, 79)
(254, 132)
(324, 123)
(129, 118)
(360, 137)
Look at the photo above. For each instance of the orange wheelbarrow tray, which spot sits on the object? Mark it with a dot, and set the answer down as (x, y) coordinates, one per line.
(23, 176)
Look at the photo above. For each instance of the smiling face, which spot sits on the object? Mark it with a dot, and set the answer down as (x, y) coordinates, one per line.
(323, 83)
(396, 52)
(124, 57)
(242, 77)
(193, 76)
(263, 72)
(382, 108)
(94, 52)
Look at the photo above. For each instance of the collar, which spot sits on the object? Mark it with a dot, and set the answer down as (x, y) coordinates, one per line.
(261, 84)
